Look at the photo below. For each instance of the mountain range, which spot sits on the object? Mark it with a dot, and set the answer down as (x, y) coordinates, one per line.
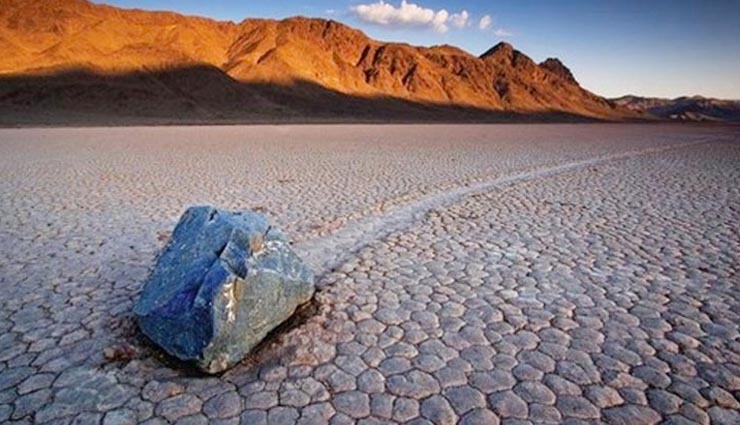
(694, 108)
(65, 61)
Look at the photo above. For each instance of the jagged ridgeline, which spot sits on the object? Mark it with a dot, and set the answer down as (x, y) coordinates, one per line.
(76, 56)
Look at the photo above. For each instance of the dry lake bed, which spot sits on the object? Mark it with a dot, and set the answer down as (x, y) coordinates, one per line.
(475, 274)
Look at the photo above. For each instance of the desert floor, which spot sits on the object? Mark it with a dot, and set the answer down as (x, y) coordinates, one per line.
(480, 274)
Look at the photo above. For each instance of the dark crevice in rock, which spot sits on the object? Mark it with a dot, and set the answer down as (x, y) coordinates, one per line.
(363, 56)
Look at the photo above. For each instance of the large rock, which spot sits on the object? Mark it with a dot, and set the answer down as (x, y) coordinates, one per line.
(222, 283)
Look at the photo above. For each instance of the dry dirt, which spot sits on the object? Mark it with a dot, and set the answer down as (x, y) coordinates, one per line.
(469, 274)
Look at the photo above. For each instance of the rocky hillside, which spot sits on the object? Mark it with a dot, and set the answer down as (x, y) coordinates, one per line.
(695, 108)
(87, 60)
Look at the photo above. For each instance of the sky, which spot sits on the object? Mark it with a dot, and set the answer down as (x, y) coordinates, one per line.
(664, 48)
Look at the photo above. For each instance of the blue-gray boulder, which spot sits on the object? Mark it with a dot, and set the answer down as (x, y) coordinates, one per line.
(222, 283)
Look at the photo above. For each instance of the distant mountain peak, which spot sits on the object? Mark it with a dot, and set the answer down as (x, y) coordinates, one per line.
(685, 108)
(557, 67)
(501, 49)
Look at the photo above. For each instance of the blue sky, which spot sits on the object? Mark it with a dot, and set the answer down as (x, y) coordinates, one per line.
(647, 47)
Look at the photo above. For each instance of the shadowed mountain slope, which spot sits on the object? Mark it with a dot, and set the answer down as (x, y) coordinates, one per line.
(80, 57)
(206, 95)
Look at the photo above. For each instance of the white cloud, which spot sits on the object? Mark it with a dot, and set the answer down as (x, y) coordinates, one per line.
(460, 20)
(485, 22)
(439, 20)
(330, 11)
(409, 15)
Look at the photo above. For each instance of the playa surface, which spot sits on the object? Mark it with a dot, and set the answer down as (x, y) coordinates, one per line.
(478, 274)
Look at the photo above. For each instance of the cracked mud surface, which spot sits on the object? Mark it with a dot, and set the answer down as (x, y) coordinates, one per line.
(606, 290)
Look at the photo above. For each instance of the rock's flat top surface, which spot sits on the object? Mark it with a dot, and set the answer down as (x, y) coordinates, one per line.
(604, 290)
